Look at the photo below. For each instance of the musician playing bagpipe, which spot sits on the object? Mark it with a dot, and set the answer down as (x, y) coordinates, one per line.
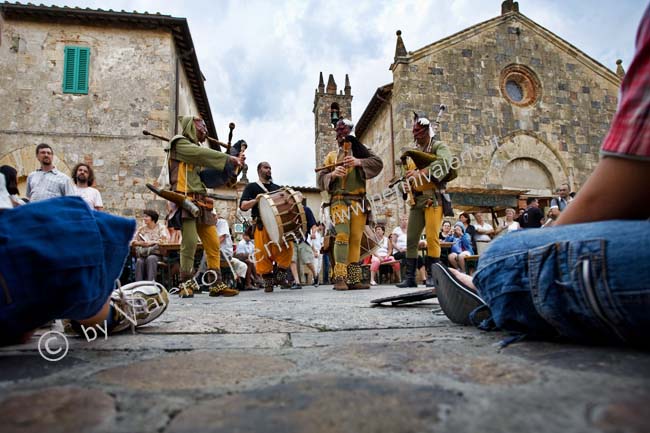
(186, 160)
(426, 168)
(344, 178)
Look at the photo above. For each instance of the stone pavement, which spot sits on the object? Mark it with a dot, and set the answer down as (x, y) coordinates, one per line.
(318, 361)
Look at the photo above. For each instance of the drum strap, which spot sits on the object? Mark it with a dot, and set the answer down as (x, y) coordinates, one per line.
(262, 186)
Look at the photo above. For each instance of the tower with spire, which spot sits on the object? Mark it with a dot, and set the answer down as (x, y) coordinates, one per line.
(329, 107)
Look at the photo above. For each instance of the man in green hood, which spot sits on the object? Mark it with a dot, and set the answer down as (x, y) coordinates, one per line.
(186, 160)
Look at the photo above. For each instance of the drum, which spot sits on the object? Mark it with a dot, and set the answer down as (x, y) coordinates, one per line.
(283, 215)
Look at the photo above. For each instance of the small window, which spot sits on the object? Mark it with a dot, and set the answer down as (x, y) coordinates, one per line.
(76, 61)
(514, 91)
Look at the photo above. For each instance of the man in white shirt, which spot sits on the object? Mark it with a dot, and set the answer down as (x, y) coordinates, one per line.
(83, 176)
(47, 181)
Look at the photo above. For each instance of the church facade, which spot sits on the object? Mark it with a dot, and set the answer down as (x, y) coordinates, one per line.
(525, 112)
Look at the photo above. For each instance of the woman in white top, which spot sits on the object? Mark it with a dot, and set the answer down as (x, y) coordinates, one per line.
(509, 224)
(381, 255)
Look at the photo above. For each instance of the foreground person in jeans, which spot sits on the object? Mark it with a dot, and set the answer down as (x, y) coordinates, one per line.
(588, 277)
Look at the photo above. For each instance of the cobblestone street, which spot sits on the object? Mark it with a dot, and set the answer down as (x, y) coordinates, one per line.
(317, 360)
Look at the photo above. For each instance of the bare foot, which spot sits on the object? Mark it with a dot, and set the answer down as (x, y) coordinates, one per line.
(464, 278)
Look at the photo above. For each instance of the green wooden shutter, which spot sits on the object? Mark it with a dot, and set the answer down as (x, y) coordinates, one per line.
(76, 62)
(82, 70)
(69, 62)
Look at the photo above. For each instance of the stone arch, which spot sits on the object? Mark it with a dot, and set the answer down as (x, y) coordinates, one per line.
(24, 161)
(522, 155)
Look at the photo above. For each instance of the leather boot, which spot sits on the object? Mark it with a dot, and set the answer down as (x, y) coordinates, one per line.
(217, 286)
(188, 286)
(340, 277)
(355, 278)
(281, 278)
(428, 266)
(269, 282)
(409, 281)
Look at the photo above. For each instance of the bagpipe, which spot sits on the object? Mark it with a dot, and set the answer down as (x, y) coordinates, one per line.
(213, 178)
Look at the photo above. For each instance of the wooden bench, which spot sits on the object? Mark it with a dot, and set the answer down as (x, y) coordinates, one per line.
(471, 263)
(386, 272)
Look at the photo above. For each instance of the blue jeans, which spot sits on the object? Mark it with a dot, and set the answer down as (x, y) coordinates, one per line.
(586, 282)
(58, 260)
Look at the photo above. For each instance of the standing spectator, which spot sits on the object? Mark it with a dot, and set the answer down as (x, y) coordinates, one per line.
(304, 249)
(509, 224)
(559, 203)
(532, 217)
(11, 180)
(83, 177)
(47, 181)
(316, 242)
(483, 234)
(325, 254)
(146, 246)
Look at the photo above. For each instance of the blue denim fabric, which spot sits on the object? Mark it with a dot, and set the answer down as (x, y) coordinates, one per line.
(587, 282)
(58, 259)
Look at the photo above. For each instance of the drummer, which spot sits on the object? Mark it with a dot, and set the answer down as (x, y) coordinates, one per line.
(349, 207)
(266, 251)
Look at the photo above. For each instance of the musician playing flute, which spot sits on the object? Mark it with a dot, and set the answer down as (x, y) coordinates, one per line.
(349, 210)
(426, 212)
(187, 157)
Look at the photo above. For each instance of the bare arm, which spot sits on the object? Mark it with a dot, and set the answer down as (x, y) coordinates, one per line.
(617, 189)
(247, 205)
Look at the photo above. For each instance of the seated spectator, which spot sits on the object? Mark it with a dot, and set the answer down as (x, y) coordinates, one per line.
(520, 212)
(469, 229)
(70, 282)
(11, 180)
(445, 230)
(399, 241)
(576, 280)
(509, 224)
(381, 255)
(146, 241)
(461, 248)
(246, 253)
(239, 268)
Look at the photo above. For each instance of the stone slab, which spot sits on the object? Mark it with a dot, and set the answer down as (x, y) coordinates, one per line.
(195, 370)
(58, 409)
(322, 405)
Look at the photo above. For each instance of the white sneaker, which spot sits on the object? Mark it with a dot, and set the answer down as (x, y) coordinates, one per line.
(372, 283)
(137, 304)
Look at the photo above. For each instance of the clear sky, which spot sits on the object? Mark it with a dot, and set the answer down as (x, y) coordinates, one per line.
(262, 58)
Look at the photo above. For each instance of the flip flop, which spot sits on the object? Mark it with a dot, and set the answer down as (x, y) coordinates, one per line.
(456, 300)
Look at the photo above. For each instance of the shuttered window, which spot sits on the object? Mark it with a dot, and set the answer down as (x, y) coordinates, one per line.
(76, 61)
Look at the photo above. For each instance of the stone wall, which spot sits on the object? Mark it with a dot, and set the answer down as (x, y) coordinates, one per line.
(131, 88)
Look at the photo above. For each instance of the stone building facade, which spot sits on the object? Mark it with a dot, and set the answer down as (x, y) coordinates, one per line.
(142, 72)
(526, 110)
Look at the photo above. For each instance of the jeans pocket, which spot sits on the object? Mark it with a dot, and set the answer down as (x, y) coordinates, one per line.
(568, 282)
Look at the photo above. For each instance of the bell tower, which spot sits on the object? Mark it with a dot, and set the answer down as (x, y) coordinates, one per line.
(329, 107)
